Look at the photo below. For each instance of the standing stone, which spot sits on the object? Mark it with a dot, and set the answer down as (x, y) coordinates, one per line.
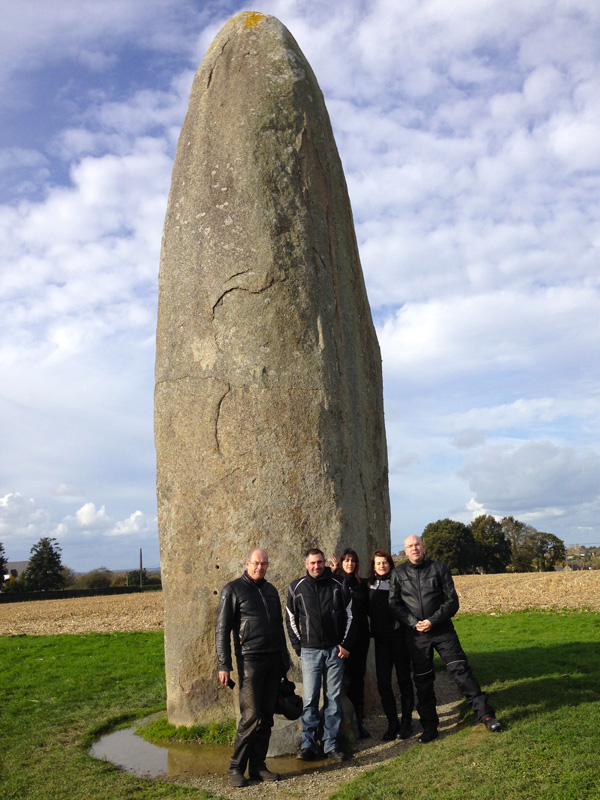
(268, 408)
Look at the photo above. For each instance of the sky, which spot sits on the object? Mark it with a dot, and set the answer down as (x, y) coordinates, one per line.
(470, 138)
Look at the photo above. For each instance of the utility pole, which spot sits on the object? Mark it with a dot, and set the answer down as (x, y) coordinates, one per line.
(141, 580)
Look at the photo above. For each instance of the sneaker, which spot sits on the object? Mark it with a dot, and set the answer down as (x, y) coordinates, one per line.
(492, 724)
(237, 780)
(264, 774)
(336, 755)
(428, 736)
(306, 754)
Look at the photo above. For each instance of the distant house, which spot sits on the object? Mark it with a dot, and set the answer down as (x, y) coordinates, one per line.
(15, 568)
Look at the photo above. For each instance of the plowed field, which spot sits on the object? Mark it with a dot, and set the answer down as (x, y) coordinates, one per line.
(136, 612)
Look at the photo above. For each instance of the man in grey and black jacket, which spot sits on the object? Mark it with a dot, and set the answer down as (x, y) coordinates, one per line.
(320, 626)
(250, 608)
(423, 597)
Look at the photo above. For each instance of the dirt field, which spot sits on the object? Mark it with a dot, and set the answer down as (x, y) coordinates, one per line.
(137, 612)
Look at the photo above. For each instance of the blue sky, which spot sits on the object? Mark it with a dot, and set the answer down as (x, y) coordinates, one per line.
(469, 133)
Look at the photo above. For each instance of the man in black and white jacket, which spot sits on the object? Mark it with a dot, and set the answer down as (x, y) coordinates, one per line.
(320, 627)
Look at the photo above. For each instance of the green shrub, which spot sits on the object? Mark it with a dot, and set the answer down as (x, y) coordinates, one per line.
(100, 578)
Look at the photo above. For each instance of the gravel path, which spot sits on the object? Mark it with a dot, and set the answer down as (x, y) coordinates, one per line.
(324, 779)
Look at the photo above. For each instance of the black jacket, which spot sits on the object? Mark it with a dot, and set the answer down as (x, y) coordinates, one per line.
(252, 610)
(383, 623)
(319, 613)
(359, 591)
(423, 591)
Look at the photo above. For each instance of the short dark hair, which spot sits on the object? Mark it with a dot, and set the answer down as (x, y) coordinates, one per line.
(313, 551)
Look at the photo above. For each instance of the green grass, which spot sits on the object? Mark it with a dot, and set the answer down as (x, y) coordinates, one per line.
(541, 669)
(56, 694)
(160, 731)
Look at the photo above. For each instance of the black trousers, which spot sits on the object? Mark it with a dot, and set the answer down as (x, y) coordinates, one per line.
(355, 667)
(259, 682)
(391, 652)
(445, 641)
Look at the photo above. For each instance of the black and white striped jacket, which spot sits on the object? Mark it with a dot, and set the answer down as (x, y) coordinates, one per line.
(319, 613)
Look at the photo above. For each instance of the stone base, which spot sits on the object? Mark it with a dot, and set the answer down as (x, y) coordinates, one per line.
(285, 737)
(286, 734)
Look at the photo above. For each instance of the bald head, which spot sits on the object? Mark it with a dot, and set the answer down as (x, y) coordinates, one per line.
(257, 564)
(414, 549)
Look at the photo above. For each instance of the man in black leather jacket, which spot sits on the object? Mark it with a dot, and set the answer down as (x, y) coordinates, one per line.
(250, 608)
(423, 597)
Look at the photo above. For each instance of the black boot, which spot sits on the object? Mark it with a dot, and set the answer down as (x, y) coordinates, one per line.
(406, 727)
(392, 730)
(363, 733)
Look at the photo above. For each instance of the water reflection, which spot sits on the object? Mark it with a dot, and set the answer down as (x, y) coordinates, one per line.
(135, 755)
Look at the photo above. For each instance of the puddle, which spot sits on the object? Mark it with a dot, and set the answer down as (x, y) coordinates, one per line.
(135, 755)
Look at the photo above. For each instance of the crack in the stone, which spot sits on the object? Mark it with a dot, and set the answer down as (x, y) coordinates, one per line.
(210, 74)
(219, 404)
(220, 299)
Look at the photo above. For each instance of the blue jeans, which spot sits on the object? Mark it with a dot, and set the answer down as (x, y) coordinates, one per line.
(317, 666)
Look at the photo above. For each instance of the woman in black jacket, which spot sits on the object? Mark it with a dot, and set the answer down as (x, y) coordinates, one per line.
(347, 567)
(391, 649)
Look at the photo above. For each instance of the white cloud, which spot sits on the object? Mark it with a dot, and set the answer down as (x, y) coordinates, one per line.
(495, 332)
(19, 516)
(88, 517)
(39, 33)
(135, 525)
(87, 537)
(467, 132)
(535, 475)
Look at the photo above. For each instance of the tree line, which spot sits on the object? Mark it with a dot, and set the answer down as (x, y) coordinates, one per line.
(486, 545)
(45, 572)
(489, 545)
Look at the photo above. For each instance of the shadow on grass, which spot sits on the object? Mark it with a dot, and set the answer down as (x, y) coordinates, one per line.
(539, 679)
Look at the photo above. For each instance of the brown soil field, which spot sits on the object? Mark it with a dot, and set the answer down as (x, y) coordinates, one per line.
(492, 594)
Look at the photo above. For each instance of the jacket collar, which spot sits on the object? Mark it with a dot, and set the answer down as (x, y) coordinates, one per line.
(327, 573)
(252, 582)
(420, 565)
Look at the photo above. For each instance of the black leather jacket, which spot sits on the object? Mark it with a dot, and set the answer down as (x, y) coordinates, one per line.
(423, 591)
(252, 611)
(319, 613)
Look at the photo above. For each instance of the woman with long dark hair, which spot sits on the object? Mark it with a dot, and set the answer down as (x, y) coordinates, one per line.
(347, 567)
(391, 650)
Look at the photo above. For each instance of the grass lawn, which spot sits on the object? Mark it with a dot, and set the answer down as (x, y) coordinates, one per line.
(55, 693)
(542, 670)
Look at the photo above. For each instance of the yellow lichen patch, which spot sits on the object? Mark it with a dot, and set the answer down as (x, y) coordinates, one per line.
(252, 18)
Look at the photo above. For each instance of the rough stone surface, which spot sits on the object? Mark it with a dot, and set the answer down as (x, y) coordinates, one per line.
(269, 413)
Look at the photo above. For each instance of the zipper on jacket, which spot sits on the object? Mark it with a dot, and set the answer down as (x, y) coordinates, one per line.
(264, 604)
